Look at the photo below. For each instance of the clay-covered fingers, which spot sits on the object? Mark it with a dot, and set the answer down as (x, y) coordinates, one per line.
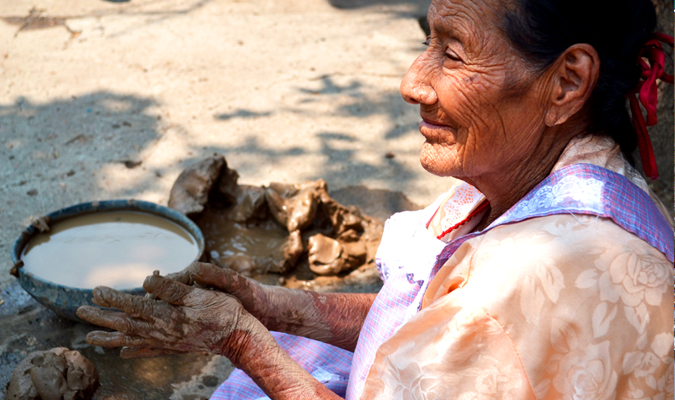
(166, 289)
(134, 306)
(119, 339)
(252, 294)
(212, 276)
(116, 320)
(184, 276)
(145, 352)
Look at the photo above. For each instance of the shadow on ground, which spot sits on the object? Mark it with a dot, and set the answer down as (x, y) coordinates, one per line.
(67, 139)
(353, 99)
(361, 104)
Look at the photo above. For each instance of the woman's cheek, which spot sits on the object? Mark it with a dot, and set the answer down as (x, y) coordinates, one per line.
(475, 112)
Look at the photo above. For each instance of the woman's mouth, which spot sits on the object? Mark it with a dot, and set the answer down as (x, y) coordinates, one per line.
(435, 131)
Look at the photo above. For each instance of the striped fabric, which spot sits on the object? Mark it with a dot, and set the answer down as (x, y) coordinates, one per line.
(409, 256)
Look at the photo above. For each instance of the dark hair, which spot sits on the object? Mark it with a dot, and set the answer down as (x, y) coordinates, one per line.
(541, 30)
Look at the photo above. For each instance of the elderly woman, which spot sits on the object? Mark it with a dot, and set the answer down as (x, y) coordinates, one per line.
(546, 272)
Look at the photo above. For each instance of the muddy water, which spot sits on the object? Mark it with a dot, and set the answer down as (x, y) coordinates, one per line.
(261, 242)
(117, 249)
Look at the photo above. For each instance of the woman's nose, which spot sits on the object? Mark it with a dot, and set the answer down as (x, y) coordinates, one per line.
(416, 87)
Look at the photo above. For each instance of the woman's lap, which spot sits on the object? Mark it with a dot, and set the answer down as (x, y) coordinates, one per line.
(330, 365)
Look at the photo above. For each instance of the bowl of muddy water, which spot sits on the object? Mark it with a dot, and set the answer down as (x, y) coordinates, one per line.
(115, 243)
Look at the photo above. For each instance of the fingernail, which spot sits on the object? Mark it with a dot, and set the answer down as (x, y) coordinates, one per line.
(100, 338)
(83, 312)
(99, 293)
(150, 279)
(91, 338)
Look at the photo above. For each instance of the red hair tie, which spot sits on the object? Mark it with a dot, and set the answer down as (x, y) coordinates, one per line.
(647, 90)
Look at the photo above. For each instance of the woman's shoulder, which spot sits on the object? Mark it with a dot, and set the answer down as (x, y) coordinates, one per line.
(603, 152)
(548, 255)
(572, 242)
(558, 261)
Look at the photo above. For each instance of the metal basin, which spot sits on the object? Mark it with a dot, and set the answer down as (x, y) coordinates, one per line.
(65, 300)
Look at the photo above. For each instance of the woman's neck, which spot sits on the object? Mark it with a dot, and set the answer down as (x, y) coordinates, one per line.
(505, 189)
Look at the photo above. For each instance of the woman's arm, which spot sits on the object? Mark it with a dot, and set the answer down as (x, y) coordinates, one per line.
(188, 319)
(333, 318)
(274, 371)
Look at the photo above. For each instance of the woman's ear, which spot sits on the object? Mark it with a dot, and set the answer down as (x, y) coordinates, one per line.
(573, 77)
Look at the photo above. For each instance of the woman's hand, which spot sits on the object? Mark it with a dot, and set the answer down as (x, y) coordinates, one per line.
(334, 318)
(252, 294)
(183, 319)
(188, 319)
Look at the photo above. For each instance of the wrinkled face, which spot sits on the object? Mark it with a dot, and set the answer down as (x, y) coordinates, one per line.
(481, 108)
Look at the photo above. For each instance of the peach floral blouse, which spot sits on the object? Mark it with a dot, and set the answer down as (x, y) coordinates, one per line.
(557, 307)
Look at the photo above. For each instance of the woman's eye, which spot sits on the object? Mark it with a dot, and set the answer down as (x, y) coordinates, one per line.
(452, 55)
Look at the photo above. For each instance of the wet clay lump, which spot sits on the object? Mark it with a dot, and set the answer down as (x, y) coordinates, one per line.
(277, 229)
(56, 374)
(112, 248)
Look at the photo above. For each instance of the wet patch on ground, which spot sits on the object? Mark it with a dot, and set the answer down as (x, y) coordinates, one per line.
(35, 20)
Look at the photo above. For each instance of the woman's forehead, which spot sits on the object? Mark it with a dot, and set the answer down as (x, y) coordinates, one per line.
(474, 23)
(466, 12)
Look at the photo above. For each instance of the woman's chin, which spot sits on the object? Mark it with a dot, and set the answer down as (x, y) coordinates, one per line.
(437, 163)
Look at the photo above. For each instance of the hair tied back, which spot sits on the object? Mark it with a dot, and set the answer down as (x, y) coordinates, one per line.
(652, 69)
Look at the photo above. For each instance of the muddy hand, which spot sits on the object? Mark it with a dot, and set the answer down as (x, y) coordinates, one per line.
(334, 318)
(185, 319)
(184, 277)
(276, 307)
(251, 293)
(210, 276)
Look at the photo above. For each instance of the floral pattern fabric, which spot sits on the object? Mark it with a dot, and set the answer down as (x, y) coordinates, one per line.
(563, 306)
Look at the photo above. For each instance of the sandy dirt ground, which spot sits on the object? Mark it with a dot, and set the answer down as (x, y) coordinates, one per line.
(103, 100)
(287, 91)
